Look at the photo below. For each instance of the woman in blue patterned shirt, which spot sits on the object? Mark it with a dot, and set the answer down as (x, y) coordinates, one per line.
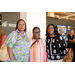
(61, 30)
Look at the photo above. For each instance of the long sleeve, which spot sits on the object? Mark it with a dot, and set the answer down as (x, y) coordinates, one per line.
(64, 50)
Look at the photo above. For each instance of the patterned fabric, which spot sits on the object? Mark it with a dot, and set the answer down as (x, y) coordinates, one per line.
(56, 48)
(64, 37)
(38, 52)
(20, 46)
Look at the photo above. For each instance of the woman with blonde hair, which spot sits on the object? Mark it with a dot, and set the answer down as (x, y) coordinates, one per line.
(70, 38)
(2, 39)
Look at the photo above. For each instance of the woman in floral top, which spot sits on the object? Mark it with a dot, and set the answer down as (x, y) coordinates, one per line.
(18, 43)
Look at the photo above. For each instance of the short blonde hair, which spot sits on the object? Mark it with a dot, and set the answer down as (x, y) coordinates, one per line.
(62, 30)
(72, 30)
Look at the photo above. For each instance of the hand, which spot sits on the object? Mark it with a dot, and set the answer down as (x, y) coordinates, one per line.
(64, 59)
(73, 39)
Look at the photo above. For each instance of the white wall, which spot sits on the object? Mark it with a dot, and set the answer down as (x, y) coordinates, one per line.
(34, 19)
(23, 15)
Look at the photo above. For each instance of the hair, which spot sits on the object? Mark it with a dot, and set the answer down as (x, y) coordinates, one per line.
(36, 28)
(18, 23)
(72, 30)
(55, 29)
(1, 34)
(61, 30)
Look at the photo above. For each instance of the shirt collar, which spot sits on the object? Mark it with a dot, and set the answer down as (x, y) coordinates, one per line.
(19, 32)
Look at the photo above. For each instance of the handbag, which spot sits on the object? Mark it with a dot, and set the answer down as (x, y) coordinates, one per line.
(35, 42)
(4, 56)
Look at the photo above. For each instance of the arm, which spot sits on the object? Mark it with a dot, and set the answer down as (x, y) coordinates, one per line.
(63, 49)
(10, 52)
(10, 41)
(70, 40)
(44, 51)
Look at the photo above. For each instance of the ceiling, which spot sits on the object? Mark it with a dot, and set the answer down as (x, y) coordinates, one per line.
(62, 15)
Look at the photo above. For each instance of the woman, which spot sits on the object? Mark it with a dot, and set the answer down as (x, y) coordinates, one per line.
(70, 38)
(55, 45)
(2, 38)
(62, 33)
(38, 50)
(61, 30)
(18, 43)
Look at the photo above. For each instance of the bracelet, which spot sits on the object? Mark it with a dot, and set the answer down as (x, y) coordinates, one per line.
(12, 59)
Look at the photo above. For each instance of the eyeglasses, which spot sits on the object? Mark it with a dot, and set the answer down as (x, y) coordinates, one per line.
(51, 28)
(36, 32)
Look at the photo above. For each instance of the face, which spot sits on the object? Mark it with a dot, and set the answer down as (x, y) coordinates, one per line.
(71, 33)
(21, 26)
(51, 30)
(36, 34)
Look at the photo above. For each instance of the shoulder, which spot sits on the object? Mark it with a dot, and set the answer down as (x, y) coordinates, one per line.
(64, 35)
(48, 37)
(59, 37)
(43, 40)
(5, 36)
(13, 33)
(68, 35)
(73, 35)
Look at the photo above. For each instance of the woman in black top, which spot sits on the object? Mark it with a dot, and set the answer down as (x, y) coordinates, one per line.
(55, 45)
(70, 38)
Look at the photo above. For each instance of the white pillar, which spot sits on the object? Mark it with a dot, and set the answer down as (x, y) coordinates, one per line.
(23, 15)
(34, 19)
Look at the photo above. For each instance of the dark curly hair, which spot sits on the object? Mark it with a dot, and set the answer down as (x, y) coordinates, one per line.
(55, 30)
(18, 22)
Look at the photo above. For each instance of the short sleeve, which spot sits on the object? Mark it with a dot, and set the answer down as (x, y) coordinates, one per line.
(11, 39)
(68, 37)
(73, 36)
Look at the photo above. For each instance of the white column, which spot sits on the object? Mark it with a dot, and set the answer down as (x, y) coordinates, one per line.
(34, 19)
(23, 15)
